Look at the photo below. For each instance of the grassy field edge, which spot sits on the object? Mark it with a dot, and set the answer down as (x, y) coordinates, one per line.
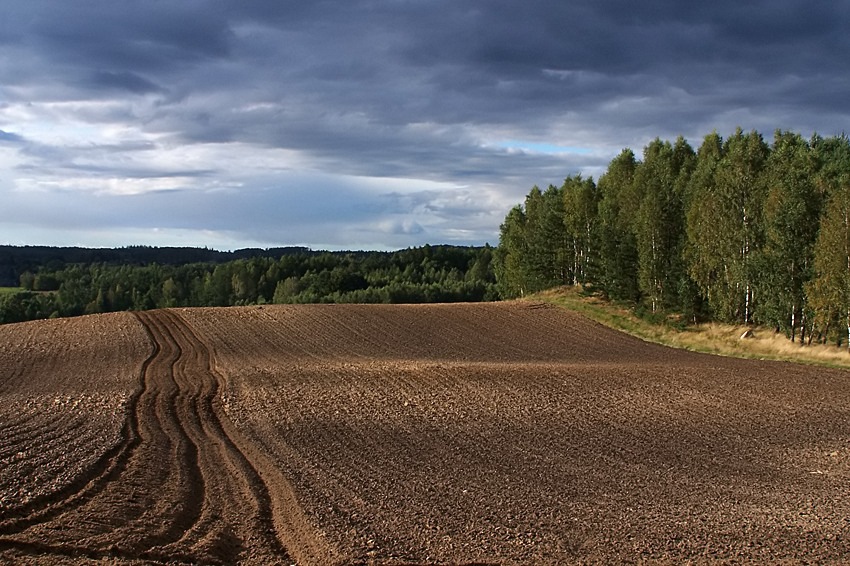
(711, 338)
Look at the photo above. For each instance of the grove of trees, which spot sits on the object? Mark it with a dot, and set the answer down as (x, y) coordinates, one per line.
(740, 231)
(415, 275)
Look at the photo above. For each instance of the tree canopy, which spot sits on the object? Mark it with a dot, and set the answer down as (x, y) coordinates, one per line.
(739, 230)
(415, 275)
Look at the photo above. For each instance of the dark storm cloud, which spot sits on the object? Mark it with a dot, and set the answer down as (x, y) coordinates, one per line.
(123, 80)
(397, 89)
(132, 36)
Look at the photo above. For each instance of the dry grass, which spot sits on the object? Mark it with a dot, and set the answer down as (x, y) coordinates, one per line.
(714, 338)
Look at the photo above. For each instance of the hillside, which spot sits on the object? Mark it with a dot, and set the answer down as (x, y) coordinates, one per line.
(507, 433)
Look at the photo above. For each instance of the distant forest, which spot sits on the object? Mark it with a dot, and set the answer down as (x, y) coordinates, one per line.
(74, 281)
(739, 231)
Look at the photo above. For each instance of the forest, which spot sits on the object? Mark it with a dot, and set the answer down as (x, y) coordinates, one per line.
(297, 275)
(740, 231)
(15, 260)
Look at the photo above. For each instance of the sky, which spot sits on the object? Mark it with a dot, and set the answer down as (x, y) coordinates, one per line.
(354, 124)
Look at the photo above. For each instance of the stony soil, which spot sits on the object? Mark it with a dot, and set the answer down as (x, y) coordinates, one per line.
(511, 433)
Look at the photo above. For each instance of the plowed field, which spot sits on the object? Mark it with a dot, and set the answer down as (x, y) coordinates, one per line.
(512, 433)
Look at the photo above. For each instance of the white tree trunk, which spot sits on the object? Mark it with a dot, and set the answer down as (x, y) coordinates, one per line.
(793, 324)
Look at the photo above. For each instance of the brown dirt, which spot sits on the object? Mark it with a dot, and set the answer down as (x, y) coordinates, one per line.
(509, 433)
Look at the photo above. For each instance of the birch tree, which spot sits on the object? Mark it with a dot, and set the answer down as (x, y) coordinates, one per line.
(581, 213)
(510, 258)
(829, 291)
(659, 223)
(791, 214)
(617, 245)
(548, 247)
(724, 222)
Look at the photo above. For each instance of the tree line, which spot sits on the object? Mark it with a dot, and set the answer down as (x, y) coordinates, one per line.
(415, 275)
(15, 260)
(740, 231)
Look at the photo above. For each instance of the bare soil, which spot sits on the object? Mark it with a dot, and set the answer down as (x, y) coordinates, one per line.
(510, 433)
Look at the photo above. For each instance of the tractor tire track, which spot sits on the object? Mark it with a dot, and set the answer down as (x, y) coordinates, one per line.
(240, 494)
(83, 488)
(176, 488)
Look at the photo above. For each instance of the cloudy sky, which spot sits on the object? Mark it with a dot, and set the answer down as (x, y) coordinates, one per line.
(346, 124)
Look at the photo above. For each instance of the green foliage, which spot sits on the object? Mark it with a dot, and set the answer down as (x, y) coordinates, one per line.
(791, 218)
(20, 306)
(547, 247)
(511, 257)
(659, 224)
(724, 224)
(549, 241)
(617, 247)
(427, 274)
(706, 241)
(738, 232)
(828, 292)
(581, 213)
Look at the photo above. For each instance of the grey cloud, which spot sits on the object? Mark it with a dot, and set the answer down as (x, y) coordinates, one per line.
(408, 90)
(99, 160)
(123, 80)
(133, 36)
(306, 206)
(409, 228)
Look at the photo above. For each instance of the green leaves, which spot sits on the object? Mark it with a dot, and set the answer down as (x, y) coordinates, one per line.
(829, 290)
(739, 226)
(427, 274)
